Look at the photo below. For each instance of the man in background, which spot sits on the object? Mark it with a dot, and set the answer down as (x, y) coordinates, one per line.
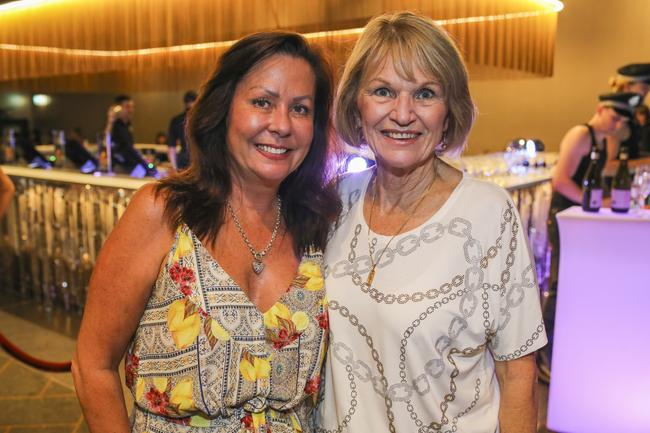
(123, 149)
(177, 137)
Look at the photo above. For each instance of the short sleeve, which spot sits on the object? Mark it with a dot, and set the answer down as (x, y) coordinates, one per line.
(519, 328)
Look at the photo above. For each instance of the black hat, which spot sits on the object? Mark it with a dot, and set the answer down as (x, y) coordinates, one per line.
(623, 103)
(635, 72)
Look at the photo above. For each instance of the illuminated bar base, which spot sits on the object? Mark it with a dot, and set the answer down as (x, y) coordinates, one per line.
(601, 353)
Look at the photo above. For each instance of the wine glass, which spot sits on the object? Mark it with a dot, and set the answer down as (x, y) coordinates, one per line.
(641, 186)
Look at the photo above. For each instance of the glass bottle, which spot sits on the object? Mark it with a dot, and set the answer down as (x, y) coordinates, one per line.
(592, 185)
(622, 185)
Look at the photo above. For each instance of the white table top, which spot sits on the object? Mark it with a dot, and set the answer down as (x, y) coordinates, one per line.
(606, 214)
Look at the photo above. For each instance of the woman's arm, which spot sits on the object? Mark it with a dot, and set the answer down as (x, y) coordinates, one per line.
(518, 387)
(575, 145)
(7, 190)
(119, 289)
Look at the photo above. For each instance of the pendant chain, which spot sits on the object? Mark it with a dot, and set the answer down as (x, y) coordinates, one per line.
(372, 244)
(258, 256)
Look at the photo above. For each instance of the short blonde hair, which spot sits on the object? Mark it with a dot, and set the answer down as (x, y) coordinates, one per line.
(410, 40)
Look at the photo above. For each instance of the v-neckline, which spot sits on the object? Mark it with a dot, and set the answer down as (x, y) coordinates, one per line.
(215, 262)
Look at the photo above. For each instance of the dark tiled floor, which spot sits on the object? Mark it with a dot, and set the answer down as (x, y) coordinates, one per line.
(35, 401)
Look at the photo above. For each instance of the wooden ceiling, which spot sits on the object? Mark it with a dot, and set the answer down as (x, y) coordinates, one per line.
(82, 45)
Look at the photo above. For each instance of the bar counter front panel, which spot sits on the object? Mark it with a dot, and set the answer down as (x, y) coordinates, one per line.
(601, 352)
(59, 219)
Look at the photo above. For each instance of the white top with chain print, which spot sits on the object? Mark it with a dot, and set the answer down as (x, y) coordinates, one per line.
(416, 351)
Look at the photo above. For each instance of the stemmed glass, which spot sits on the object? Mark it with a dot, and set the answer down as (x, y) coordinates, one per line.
(641, 186)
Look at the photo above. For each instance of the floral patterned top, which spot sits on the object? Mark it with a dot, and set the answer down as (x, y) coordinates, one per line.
(205, 359)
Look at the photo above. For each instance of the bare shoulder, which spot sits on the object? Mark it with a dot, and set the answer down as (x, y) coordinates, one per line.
(144, 227)
(578, 136)
(148, 203)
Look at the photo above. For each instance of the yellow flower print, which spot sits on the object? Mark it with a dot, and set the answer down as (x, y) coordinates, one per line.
(311, 270)
(199, 421)
(253, 368)
(258, 420)
(182, 395)
(184, 330)
(314, 284)
(183, 246)
(297, 428)
(218, 331)
(160, 383)
(277, 310)
(301, 320)
(139, 388)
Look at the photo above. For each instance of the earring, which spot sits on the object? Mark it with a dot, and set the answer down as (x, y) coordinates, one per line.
(442, 146)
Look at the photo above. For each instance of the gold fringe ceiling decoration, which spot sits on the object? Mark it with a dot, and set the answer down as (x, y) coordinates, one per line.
(82, 45)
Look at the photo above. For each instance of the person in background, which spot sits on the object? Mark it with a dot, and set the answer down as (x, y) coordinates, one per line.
(161, 138)
(124, 153)
(613, 110)
(7, 191)
(642, 115)
(77, 152)
(433, 303)
(211, 281)
(180, 160)
(121, 128)
(630, 78)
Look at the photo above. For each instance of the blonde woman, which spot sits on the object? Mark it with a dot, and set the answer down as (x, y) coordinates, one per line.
(433, 303)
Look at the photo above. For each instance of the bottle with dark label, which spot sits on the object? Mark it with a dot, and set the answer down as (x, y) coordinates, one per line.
(592, 185)
(621, 184)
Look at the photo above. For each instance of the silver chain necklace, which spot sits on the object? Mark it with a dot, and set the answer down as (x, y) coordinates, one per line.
(258, 256)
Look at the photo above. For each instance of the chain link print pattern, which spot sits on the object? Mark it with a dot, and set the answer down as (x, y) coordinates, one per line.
(419, 296)
(469, 303)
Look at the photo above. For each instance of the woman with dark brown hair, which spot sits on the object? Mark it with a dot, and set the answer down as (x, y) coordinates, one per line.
(211, 282)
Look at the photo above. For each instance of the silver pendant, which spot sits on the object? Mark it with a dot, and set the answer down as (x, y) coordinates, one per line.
(258, 266)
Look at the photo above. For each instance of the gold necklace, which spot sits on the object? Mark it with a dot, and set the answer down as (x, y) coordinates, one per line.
(371, 246)
(258, 256)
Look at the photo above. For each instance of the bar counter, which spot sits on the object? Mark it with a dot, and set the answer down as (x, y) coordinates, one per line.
(53, 231)
(59, 219)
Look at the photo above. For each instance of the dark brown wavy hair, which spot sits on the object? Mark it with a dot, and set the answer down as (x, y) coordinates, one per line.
(197, 195)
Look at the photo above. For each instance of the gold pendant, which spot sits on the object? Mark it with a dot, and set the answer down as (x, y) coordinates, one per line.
(371, 276)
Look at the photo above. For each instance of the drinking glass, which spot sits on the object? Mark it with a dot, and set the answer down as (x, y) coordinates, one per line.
(641, 186)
